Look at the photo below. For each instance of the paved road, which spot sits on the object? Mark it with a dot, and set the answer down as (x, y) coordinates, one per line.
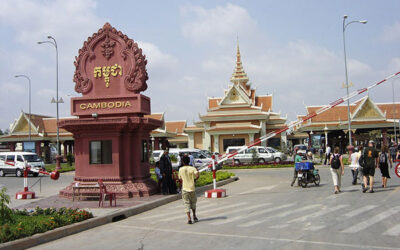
(261, 212)
(49, 186)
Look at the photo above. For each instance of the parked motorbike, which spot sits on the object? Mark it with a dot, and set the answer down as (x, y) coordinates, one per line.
(306, 173)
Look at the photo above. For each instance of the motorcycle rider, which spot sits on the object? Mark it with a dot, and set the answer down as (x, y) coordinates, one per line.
(297, 158)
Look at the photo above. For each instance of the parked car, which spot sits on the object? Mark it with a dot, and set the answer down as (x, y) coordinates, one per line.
(247, 156)
(301, 150)
(278, 156)
(14, 163)
(156, 154)
(200, 159)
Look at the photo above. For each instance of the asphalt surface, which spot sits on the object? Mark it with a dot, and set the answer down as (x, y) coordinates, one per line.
(262, 211)
(42, 185)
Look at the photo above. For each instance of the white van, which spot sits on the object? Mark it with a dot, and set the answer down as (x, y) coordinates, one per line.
(14, 162)
(246, 156)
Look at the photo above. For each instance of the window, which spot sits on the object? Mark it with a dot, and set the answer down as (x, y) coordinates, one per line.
(2, 157)
(262, 150)
(100, 152)
(233, 142)
(19, 158)
(32, 158)
(10, 158)
(145, 153)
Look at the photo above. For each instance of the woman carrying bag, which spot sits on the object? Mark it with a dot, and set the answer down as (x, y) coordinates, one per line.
(337, 169)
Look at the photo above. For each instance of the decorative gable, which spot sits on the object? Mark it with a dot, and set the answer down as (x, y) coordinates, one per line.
(368, 110)
(235, 96)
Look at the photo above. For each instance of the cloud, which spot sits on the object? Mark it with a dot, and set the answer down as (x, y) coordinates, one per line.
(295, 72)
(157, 59)
(391, 33)
(218, 25)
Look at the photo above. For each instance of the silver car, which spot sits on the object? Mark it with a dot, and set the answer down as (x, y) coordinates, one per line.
(247, 156)
(277, 156)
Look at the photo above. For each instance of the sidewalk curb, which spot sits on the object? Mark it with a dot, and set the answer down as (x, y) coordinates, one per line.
(61, 232)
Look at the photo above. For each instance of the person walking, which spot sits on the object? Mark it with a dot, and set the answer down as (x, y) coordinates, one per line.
(355, 165)
(297, 158)
(371, 162)
(168, 184)
(337, 169)
(188, 175)
(385, 159)
(393, 151)
(327, 154)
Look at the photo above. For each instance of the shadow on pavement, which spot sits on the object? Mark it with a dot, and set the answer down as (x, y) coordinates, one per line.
(213, 218)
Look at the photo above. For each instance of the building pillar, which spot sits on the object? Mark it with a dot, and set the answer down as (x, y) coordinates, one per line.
(156, 143)
(263, 132)
(206, 141)
(284, 141)
(65, 149)
(309, 139)
(251, 138)
(11, 145)
(216, 143)
(38, 149)
(191, 140)
(326, 139)
(384, 137)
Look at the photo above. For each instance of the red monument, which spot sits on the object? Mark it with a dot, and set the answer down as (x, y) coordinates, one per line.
(111, 133)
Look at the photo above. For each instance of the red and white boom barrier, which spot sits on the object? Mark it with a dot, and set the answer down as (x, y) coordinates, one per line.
(297, 124)
(26, 194)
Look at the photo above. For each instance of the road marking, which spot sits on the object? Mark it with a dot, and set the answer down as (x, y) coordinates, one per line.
(371, 221)
(240, 217)
(360, 211)
(258, 189)
(167, 214)
(284, 214)
(394, 231)
(252, 237)
(222, 207)
(317, 214)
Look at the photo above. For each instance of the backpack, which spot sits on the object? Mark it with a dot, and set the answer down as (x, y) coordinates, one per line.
(383, 158)
(335, 164)
(361, 160)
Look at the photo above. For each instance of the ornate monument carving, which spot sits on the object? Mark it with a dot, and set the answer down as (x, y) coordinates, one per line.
(110, 73)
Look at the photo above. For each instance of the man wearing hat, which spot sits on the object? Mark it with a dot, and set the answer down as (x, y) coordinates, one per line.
(371, 162)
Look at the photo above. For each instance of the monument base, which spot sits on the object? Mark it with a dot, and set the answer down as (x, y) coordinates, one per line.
(124, 190)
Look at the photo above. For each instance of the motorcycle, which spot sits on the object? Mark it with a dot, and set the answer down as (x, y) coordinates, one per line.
(306, 173)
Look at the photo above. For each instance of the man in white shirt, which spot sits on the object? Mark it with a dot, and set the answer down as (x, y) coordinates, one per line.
(327, 154)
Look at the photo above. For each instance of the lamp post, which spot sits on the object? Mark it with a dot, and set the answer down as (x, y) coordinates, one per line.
(345, 68)
(29, 82)
(53, 42)
(394, 112)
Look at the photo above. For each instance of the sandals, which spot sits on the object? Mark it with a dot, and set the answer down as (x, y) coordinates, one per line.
(189, 222)
(196, 220)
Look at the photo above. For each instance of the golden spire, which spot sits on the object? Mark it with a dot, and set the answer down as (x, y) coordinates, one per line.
(239, 76)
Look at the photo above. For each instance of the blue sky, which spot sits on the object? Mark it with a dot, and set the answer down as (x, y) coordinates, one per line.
(292, 49)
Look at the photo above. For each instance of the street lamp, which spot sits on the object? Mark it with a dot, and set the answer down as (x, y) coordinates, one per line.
(29, 81)
(394, 112)
(345, 68)
(56, 101)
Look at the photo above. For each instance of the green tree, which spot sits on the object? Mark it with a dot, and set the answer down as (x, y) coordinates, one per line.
(5, 211)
